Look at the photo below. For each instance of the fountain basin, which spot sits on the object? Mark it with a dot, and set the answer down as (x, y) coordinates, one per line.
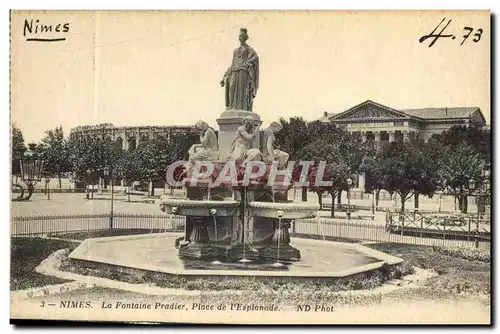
(321, 260)
(290, 210)
(199, 208)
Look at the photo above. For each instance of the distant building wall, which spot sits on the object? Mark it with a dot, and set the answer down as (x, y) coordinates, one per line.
(129, 136)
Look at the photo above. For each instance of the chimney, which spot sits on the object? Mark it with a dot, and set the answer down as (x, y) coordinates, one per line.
(325, 113)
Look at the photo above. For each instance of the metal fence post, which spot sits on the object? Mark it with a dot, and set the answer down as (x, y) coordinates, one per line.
(402, 222)
(476, 241)
(421, 224)
(444, 231)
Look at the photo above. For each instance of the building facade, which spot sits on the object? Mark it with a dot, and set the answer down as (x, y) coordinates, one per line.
(374, 121)
(378, 122)
(128, 137)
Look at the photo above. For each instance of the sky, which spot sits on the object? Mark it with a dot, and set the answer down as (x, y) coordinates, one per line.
(164, 68)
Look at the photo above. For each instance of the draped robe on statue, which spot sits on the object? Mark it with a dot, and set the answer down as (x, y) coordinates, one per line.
(240, 151)
(208, 149)
(242, 79)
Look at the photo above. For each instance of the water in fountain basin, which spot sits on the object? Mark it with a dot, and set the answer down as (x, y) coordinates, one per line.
(244, 259)
(278, 263)
(185, 229)
(215, 237)
(169, 220)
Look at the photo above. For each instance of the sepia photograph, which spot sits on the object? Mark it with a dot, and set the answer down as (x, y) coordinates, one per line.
(251, 167)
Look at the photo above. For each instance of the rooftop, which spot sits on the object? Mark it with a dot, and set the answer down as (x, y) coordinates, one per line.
(420, 114)
(441, 113)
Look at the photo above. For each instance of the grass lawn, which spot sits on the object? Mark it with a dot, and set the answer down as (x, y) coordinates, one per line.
(26, 255)
(28, 252)
(103, 233)
(456, 274)
(459, 273)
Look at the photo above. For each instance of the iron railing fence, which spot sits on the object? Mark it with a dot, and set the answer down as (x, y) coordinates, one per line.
(434, 221)
(354, 207)
(368, 231)
(319, 228)
(50, 224)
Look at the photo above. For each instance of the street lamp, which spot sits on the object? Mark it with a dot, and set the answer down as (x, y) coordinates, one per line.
(486, 176)
(482, 192)
(349, 183)
(441, 195)
(89, 179)
(486, 173)
(31, 171)
(472, 187)
(109, 172)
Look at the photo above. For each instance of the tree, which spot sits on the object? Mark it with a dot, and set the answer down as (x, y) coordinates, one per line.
(406, 170)
(292, 139)
(461, 152)
(90, 155)
(337, 169)
(128, 167)
(371, 166)
(150, 160)
(458, 166)
(56, 154)
(18, 148)
(323, 131)
(351, 153)
(473, 136)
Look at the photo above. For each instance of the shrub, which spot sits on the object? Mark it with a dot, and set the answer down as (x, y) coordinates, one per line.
(471, 254)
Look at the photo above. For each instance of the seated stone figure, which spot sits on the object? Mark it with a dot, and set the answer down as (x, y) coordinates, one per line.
(269, 152)
(206, 150)
(240, 151)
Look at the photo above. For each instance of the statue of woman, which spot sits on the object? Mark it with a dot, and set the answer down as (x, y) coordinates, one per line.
(241, 80)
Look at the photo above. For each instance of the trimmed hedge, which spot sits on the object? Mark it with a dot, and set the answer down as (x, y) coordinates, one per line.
(471, 254)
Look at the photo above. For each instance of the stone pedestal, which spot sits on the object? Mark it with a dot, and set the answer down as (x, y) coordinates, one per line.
(242, 247)
(198, 245)
(228, 122)
(242, 252)
(280, 249)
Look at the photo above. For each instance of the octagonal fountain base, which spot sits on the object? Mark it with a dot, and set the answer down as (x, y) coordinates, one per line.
(320, 260)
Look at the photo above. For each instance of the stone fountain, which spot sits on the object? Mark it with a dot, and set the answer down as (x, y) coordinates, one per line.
(239, 221)
(237, 212)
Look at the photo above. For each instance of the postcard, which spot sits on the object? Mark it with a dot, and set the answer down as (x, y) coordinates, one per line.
(251, 167)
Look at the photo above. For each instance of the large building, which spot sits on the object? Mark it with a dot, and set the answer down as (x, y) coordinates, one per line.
(382, 123)
(375, 121)
(128, 136)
